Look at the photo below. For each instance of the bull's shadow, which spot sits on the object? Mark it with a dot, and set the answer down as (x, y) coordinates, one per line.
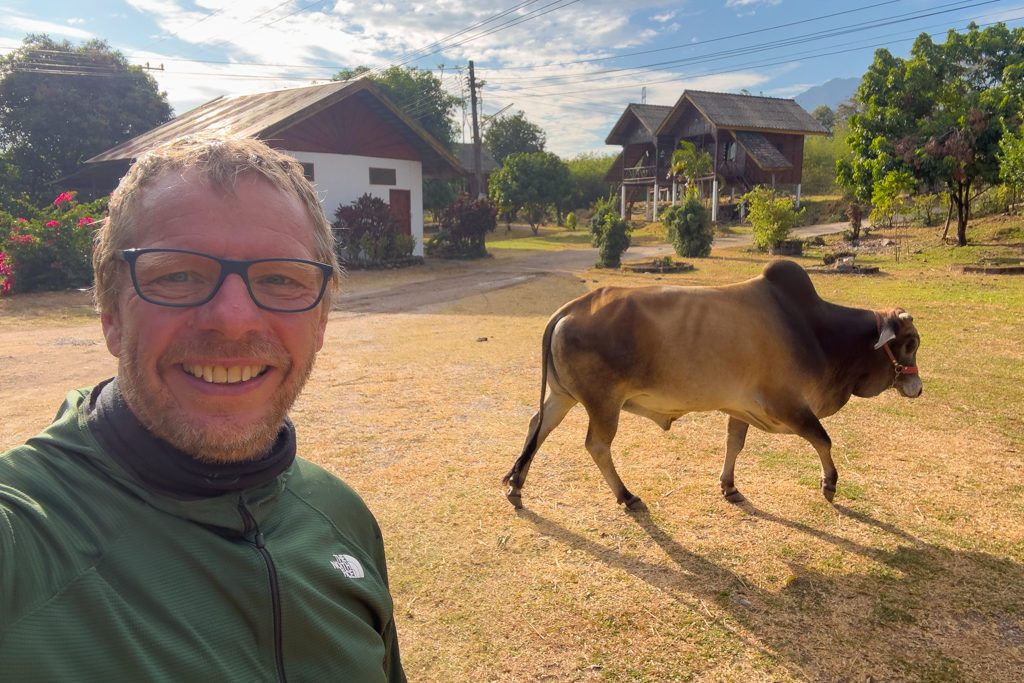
(929, 613)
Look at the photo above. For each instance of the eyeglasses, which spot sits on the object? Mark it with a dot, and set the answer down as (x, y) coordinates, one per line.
(179, 278)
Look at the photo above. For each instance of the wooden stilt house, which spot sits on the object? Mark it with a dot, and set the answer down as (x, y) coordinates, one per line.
(752, 141)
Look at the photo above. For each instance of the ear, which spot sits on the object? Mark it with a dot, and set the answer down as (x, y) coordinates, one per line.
(322, 328)
(112, 332)
(886, 336)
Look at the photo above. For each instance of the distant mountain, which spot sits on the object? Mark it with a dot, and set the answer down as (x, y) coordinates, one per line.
(831, 93)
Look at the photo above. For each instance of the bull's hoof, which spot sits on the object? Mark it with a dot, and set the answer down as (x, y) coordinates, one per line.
(734, 496)
(516, 500)
(828, 490)
(635, 504)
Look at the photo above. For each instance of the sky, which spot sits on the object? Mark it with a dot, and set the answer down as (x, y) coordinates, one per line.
(571, 65)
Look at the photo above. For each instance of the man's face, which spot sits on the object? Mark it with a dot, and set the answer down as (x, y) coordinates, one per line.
(216, 421)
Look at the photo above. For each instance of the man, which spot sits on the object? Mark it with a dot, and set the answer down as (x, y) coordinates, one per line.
(162, 529)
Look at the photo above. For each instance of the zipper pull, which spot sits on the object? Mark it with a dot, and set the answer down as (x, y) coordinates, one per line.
(260, 544)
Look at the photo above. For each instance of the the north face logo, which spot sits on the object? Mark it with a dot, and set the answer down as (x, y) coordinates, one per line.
(348, 565)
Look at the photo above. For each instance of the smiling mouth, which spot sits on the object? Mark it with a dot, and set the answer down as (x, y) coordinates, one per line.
(218, 374)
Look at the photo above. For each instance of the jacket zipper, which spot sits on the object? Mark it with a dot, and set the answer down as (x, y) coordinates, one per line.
(275, 593)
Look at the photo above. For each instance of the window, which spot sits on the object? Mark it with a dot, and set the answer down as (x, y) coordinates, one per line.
(778, 146)
(307, 171)
(382, 176)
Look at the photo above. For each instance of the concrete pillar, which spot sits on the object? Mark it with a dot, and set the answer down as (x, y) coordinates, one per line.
(655, 211)
(647, 204)
(622, 204)
(743, 210)
(714, 199)
(675, 191)
(798, 195)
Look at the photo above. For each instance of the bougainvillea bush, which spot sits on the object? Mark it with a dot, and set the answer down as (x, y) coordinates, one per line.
(464, 225)
(366, 231)
(51, 250)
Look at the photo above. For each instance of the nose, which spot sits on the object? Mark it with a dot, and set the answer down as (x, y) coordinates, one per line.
(911, 387)
(231, 311)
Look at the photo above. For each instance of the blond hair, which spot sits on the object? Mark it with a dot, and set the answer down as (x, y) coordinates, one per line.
(218, 160)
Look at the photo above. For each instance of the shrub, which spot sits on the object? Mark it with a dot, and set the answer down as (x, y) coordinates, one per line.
(771, 217)
(464, 225)
(889, 197)
(366, 230)
(602, 210)
(614, 240)
(52, 250)
(924, 209)
(689, 227)
(571, 221)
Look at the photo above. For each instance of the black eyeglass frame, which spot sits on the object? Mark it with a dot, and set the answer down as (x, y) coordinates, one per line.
(227, 267)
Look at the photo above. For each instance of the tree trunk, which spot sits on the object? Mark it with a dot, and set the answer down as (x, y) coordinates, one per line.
(963, 215)
(949, 216)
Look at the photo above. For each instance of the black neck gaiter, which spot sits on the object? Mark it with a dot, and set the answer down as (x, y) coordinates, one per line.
(162, 468)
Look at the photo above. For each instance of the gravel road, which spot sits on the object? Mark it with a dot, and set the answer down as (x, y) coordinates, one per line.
(440, 289)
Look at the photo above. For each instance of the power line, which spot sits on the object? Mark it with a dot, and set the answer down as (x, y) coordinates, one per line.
(751, 49)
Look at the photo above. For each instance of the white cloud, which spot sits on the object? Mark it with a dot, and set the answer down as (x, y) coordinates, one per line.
(744, 3)
(26, 25)
(663, 17)
(76, 21)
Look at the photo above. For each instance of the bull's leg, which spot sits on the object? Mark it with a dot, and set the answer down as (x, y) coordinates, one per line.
(734, 444)
(556, 407)
(804, 423)
(603, 425)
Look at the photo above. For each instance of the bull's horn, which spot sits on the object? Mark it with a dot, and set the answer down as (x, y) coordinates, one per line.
(886, 336)
(906, 316)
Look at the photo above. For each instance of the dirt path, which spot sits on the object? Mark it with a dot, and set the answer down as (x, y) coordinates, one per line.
(438, 290)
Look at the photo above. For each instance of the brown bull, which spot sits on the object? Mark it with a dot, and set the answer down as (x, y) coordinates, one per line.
(767, 352)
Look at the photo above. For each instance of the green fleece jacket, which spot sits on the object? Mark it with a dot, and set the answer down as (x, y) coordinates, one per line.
(101, 580)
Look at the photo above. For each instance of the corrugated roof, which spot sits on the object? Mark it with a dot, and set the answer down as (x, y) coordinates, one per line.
(730, 111)
(263, 115)
(650, 117)
(464, 151)
(761, 151)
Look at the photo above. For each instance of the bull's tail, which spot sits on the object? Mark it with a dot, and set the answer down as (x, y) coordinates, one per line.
(530, 447)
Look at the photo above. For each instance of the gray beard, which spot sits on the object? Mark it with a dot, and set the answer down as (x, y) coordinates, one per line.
(157, 411)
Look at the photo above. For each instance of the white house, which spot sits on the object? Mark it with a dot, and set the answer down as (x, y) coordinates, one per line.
(350, 138)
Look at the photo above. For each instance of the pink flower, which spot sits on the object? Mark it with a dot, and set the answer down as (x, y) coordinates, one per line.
(52, 224)
(20, 220)
(63, 197)
(85, 221)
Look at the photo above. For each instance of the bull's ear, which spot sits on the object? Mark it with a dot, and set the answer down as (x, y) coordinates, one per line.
(886, 336)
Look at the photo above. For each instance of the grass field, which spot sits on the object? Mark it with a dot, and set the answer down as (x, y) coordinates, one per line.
(915, 574)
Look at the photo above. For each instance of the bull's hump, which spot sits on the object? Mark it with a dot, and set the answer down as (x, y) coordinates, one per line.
(790, 279)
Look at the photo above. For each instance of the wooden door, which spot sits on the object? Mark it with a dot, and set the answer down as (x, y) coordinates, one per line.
(401, 209)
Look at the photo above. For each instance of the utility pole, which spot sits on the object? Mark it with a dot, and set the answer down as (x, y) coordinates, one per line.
(478, 175)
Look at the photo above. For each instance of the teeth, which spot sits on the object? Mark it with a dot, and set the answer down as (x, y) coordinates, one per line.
(218, 374)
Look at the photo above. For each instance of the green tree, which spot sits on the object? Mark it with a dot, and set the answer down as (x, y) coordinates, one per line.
(529, 184)
(586, 175)
(437, 194)
(60, 105)
(615, 240)
(821, 154)
(889, 197)
(1011, 161)
(513, 134)
(824, 115)
(419, 94)
(938, 115)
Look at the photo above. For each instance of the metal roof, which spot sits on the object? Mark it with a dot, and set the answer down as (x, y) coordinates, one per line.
(650, 117)
(761, 151)
(263, 115)
(745, 112)
(464, 151)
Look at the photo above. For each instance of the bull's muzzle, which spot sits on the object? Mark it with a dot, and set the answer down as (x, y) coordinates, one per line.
(910, 386)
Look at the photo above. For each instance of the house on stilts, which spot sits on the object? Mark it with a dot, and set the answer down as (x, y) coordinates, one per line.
(752, 141)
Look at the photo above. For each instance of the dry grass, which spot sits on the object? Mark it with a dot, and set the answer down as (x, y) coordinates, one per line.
(915, 575)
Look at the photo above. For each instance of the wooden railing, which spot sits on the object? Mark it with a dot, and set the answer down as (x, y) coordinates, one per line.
(638, 174)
